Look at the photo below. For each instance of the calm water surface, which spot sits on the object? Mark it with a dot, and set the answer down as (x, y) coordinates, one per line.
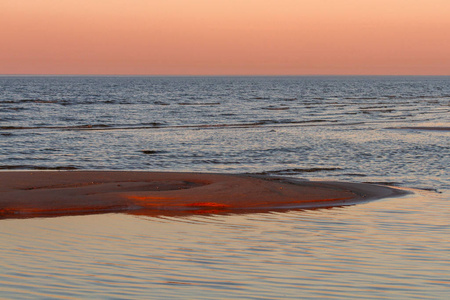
(394, 248)
(387, 130)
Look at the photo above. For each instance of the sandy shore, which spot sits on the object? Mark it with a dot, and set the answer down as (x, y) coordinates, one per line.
(54, 193)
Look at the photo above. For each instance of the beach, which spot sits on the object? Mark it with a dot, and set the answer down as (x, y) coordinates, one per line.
(224, 187)
(59, 193)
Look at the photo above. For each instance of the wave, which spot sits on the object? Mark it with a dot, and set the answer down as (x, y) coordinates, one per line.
(161, 103)
(375, 110)
(430, 128)
(153, 151)
(14, 108)
(156, 125)
(355, 174)
(419, 97)
(38, 101)
(388, 183)
(276, 108)
(269, 122)
(86, 126)
(297, 171)
(361, 98)
(17, 127)
(199, 103)
(29, 167)
(29, 101)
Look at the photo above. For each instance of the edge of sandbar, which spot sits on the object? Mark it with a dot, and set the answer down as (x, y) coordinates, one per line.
(27, 194)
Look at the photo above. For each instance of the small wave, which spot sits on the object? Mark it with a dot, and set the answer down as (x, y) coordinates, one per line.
(15, 127)
(232, 125)
(268, 123)
(87, 126)
(356, 174)
(14, 108)
(28, 101)
(199, 103)
(297, 170)
(153, 151)
(417, 97)
(375, 107)
(156, 125)
(388, 183)
(152, 125)
(361, 98)
(28, 167)
(215, 162)
(276, 108)
(428, 189)
(161, 103)
(290, 122)
(428, 128)
(38, 101)
(381, 109)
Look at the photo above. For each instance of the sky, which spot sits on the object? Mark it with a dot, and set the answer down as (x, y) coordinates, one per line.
(225, 37)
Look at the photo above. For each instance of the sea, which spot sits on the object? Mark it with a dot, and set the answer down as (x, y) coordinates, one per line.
(385, 130)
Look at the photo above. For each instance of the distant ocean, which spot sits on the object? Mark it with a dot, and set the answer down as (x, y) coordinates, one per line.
(385, 130)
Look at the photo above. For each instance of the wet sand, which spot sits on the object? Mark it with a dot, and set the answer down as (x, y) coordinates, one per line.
(58, 193)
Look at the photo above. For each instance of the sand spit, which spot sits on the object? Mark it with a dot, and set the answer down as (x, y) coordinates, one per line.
(26, 194)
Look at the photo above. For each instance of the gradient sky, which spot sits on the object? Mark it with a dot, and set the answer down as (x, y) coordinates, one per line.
(225, 37)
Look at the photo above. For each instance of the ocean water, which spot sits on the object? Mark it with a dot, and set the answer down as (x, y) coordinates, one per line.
(385, 130)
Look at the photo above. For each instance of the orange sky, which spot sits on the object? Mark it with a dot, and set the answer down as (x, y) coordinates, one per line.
(225, 37)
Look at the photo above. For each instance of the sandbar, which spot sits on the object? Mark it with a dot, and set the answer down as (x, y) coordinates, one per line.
(25, 194)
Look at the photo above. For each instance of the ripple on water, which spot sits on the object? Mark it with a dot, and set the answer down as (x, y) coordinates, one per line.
(394, 248)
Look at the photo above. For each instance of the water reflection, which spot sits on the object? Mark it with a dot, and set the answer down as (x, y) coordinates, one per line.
(393, 248)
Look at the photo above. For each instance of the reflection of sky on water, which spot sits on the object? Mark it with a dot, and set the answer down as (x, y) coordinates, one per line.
(394, 248)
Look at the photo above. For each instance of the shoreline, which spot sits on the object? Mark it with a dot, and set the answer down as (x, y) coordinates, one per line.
(27, 194)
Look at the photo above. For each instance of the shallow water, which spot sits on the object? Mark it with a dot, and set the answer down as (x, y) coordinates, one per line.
(388, 130)
(394, 248)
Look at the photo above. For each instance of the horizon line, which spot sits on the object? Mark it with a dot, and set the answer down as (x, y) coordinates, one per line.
(233, 75)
